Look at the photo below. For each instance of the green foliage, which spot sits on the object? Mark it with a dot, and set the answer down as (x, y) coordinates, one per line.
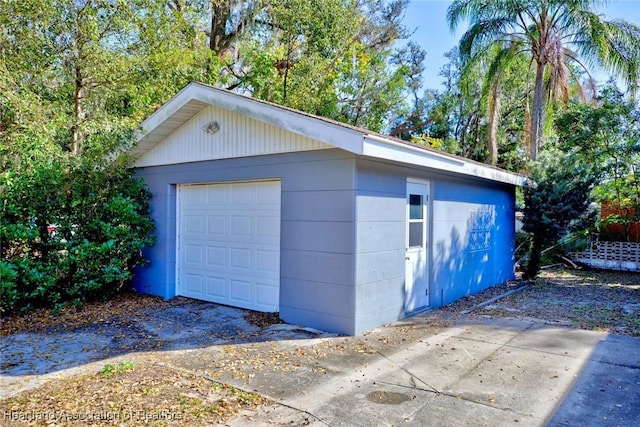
(9, 296)
(606, 134)
(596, 157)
(109, 370)
(332, 58)
(77, 78)
(458, 116)
(551, 35)
(428, 141)
(555, 202)
(72, 230)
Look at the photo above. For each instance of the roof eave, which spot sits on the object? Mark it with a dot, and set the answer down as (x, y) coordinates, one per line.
(380, 147)
(196, 96)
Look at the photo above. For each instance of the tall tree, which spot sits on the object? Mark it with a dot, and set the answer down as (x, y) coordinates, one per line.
(607, 134)
(334, 58)
(91, 65)
(230, 19)
(413, 120)
(456, 115)
(551, 33)
(559, 194)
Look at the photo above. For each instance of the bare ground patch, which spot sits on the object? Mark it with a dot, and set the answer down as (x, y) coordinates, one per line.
(117, 309)
(603, 300)
(130, 394)
(139, 390)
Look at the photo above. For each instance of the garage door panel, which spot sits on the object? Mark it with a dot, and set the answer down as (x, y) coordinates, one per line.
(194, 198)
(267, 261)
(241, 226)
(216, 195)
(217, 287)
(193, 255)
(194, 283)
(268, 196)
(267, 228)
(242, 194)
(241, 259)
(216, 225)
(266, 294)
(229, 239)
(241, 291)
(194, 224)
(216, 256)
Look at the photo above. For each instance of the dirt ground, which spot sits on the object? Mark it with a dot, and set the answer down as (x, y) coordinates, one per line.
(164, 395)
(133, 387)
(600, 300)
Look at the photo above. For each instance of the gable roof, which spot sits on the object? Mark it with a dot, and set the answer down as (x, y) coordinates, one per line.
(196, 96)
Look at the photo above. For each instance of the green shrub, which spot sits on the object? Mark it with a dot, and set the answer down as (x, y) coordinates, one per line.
(8, 289)
(72, 230)
(556, 201)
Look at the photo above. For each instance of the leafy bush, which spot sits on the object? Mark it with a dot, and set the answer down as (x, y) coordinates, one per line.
(72, 230)
(606, 134)
(8, 290)
(556, 202)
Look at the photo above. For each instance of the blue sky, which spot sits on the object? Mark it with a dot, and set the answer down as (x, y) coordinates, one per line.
(428, 17)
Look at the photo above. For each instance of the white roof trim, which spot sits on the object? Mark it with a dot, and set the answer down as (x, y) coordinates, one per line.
(195, 96)
(380, 147)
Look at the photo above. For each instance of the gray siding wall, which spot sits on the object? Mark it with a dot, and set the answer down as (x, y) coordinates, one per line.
(380, 244)
(471, 238)
(317, 230)
(343, 234)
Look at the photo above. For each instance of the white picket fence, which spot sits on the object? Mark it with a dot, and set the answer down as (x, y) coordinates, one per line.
(610, 256)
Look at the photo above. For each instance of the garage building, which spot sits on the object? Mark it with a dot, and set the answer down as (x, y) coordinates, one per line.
(337, 228)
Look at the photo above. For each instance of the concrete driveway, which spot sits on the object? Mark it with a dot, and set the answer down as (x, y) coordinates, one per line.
(424, 371)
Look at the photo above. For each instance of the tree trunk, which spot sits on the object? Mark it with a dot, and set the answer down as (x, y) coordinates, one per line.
(219, 16)
(494, 119)
(535, 257)
(78, 98)
(287, 65)
(537, 116)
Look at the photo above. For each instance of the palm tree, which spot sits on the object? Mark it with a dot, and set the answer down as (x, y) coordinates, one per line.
(552, 33)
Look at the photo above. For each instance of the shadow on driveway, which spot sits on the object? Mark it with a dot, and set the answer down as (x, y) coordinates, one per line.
(607, 391)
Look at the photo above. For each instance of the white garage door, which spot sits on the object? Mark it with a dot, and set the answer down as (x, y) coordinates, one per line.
(229, 244)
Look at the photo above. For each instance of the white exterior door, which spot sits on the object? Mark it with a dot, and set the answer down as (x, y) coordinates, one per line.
(416, 260)
(228, 244)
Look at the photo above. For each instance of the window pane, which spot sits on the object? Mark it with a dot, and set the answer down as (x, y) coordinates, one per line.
(415, 233)
(415, 206)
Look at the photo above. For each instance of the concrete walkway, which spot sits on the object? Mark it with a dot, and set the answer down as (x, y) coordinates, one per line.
(425, 370)
(483, 373)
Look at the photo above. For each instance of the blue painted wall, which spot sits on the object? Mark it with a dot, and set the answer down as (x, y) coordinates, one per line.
(471, 238)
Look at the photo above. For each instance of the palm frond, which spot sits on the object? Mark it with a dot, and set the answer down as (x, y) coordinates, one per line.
(501, 60)
(483, 34)
(615, 45)
(461, 10)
